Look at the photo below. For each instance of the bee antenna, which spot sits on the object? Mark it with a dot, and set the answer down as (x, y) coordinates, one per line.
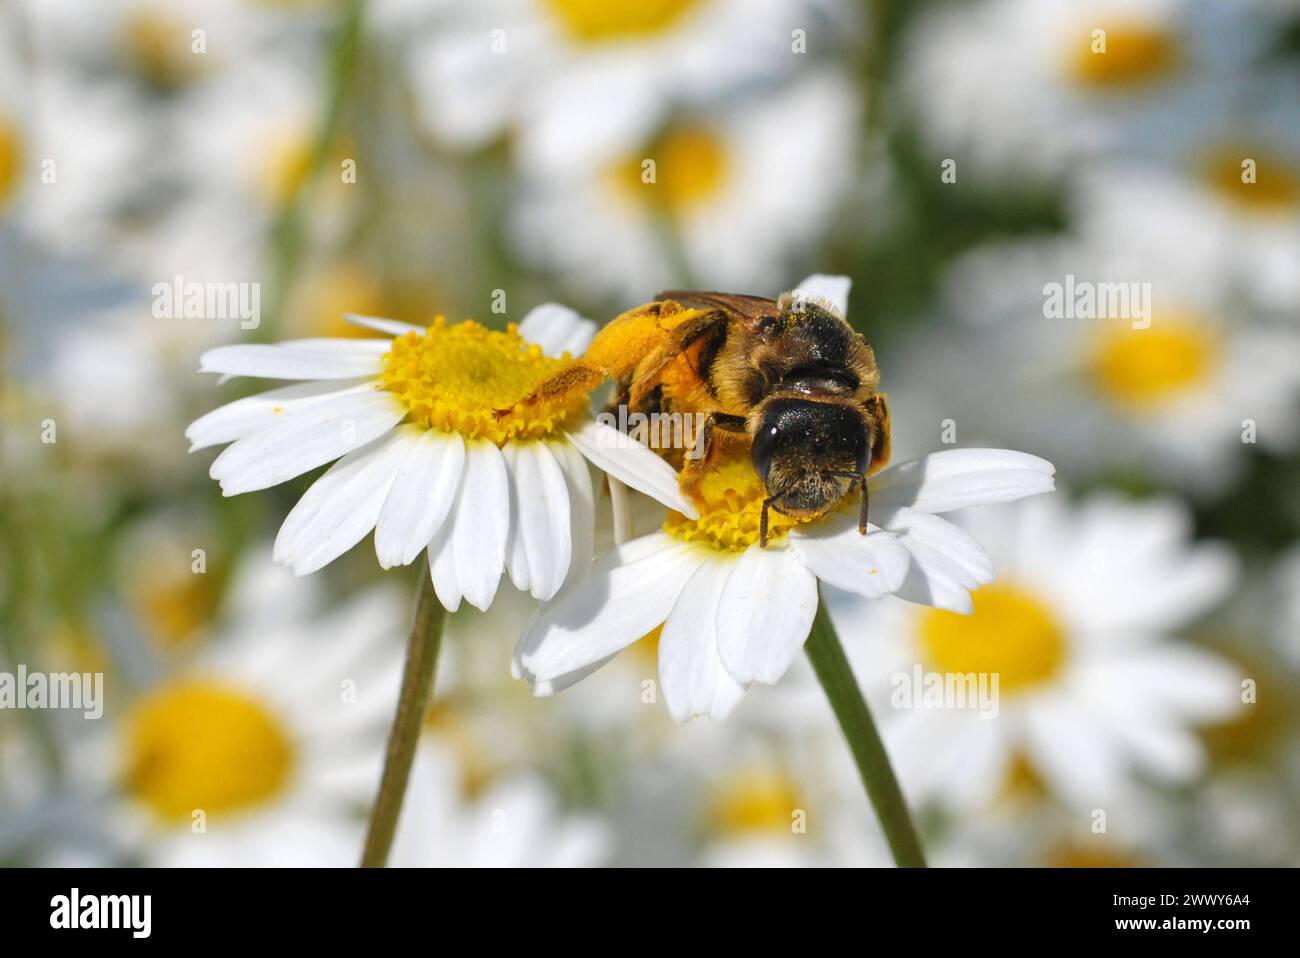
(857, 477)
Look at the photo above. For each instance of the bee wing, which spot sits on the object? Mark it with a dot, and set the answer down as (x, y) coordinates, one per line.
(750, 311)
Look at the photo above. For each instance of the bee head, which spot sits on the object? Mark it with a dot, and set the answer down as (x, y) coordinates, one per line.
(807, 452)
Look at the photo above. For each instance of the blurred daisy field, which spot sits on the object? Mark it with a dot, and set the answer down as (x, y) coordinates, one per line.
(1069, 230)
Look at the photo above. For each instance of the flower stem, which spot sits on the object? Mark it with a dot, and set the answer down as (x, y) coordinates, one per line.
(417, 683)
(832, 668)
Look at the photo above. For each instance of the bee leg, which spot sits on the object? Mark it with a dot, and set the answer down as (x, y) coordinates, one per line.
(762, 522)
(576, 377)
(695, 460)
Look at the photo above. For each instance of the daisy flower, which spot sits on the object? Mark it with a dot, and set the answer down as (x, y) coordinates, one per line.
(579, 81)
(1091, 691)
(1182, 387)
(146, 44)
(1227, 178)
(516, 822)
(759, 810)
(436, 450)
(716, 175)
(260, 750)
(734, 613)
(1020, 89)
(82, 135)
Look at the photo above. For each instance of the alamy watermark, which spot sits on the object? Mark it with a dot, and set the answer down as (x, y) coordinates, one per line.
(133, 913)
(658, 430)
(918, 689)
(193, 300)
(1083, 299)
(83, 691)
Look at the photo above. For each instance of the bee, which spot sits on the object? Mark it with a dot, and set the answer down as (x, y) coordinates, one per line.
(789, 377)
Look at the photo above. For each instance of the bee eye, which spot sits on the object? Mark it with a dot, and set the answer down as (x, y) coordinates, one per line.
(763, 447)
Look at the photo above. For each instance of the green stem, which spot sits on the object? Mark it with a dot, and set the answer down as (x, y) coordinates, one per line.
(832, 668)
(288, 232)
(412, 703)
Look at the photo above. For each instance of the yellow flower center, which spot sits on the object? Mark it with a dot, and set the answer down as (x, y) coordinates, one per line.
(449, 723)
(284, 167)
(755, 801)
(159, 47)
(75, 648)
(730, 501)
(1011, 633)
(1100, 856)
(466, 379)
(319, 304)
(201, 746)
(11, 159)
(176, 608)
(1140, 369)
(1129, 55)
(1022, 779)
(690, 167)
(1256, 180)
(604, 21)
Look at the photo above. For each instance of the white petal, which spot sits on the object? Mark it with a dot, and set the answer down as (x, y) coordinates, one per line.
(958, 478)
(442, 563)
(582, 505)
(557, 329)
(948, 563)
(1077, 757)
(832, 290)
(392, 327)
(516, 554)
(243, 417)
(539, 524)
(690, 672)
(1180, 681)
(482, 524)
(548, 687)
(341, 507)
(318, 434)
(632, 463)
(629, 593)
(341, 345)
(421, 496)
(296, 361)
(621, 511)
(835, 552)
(1170, 752)
(765, 614)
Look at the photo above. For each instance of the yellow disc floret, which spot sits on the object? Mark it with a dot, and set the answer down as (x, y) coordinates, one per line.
(1012, 633)
(757, 800)
(199, 746)
(691, 168)
(478, 382)
(1254, 179)
(160, 48)
(1124, 56)
(603, 21)
(730, 500)
(1140, 369)
(11, 158)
